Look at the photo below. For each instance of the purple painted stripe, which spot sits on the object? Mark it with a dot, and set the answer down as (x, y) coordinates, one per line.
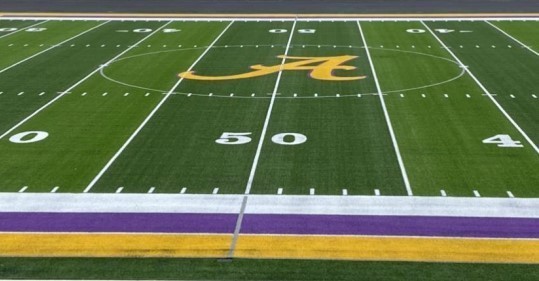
(118, 222)
(391, 225)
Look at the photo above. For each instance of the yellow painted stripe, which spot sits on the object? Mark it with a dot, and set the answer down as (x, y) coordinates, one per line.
(388, 248)
(114, 245)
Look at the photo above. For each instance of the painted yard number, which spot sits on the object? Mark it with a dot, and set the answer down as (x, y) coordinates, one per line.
(503, 141)
(229, 138)
(29, 137)
(32, 29)
(305, 31)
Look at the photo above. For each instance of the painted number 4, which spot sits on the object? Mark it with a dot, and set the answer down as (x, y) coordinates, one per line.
(243, 138)
(503, 141)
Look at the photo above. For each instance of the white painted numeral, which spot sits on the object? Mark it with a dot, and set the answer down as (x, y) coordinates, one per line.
(503, 141)
(35, 29)
(308, 31)
(8, 29)
(278, 31)
(443, 30)
(234, 138)
(171, 30)
(142, 30)
(415, 30)
(29, 137)
(284, 139)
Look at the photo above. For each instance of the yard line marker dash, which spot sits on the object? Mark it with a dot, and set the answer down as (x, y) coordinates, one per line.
(534, 96)
(259, 148)
(280, 191)
(485, 91)
(345, 192)
(512, 96)
(443, 193)
(55, 189)
(23, 189)
(119, 189)
(105, 93)
(42, 93)
(184, 189)
(151, 190)
(76, 84)
(514, 39)
(377, 192)
(152, 113)
(510, 194)
(20, 94)
(386, 114)
(52, 47)
(215, 190)
(311, 191)
(476, 193)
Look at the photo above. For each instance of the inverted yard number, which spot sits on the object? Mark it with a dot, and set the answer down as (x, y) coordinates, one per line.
(148, 30)
(29, 137)
(243, 138)
(503, 141)
(439, 30)
(32, 29)
(305, 31)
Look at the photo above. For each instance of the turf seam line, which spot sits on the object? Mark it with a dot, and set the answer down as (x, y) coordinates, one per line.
(23, 29)
(152, 113)
(514, 39)
(72, 87)
(259, 149)
(484, 89)
(52, 47)
(386, 115)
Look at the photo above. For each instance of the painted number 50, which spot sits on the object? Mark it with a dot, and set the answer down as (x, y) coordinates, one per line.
(230, 138)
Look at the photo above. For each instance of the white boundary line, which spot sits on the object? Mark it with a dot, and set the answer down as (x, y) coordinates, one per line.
(152, 113)
(22, 29)
(76, 84)
(283, 18)
(534, 146)
(514, 39)
(52, 47)
(386, 114)
(239, 221)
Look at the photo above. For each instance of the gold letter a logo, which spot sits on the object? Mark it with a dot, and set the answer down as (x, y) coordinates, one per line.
(321, 68)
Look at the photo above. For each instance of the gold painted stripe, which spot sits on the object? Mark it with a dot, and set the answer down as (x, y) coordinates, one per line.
(113, 245)
(389, 248)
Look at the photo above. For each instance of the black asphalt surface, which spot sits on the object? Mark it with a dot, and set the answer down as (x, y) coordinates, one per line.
(272, 6)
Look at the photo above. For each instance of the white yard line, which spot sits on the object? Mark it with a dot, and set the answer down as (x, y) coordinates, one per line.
(259, 149)
(484, 89)
(386, 114)
(76, 84)
(22, 29)
(514, 39)
(52, 47)
(152, 113)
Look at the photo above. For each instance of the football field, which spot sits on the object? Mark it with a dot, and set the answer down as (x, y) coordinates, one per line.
(248, 137)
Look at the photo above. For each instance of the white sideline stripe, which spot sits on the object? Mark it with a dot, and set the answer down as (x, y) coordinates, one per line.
(135, 133)
(484, 90)
(74, 85)
(22, 29)
(514, 39)
(50, 48)
(386, 115)
(269, 204)
(239, 221)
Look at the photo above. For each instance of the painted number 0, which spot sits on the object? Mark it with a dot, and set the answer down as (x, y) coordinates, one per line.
(229, 138)
(28, 137)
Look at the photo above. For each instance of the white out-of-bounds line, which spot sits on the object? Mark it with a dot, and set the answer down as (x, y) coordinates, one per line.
(78, 83)
(23, 29)
(514, 39)
(259, 149)
(484, 89)
(386, 114)
(152, 113)
(52, 47)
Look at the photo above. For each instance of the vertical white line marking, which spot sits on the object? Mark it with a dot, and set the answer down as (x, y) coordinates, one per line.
(76, 84)
(152, 113)
(386, 114)
(514, 39)
(50, 48)
(484, 89)
(259, 148)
